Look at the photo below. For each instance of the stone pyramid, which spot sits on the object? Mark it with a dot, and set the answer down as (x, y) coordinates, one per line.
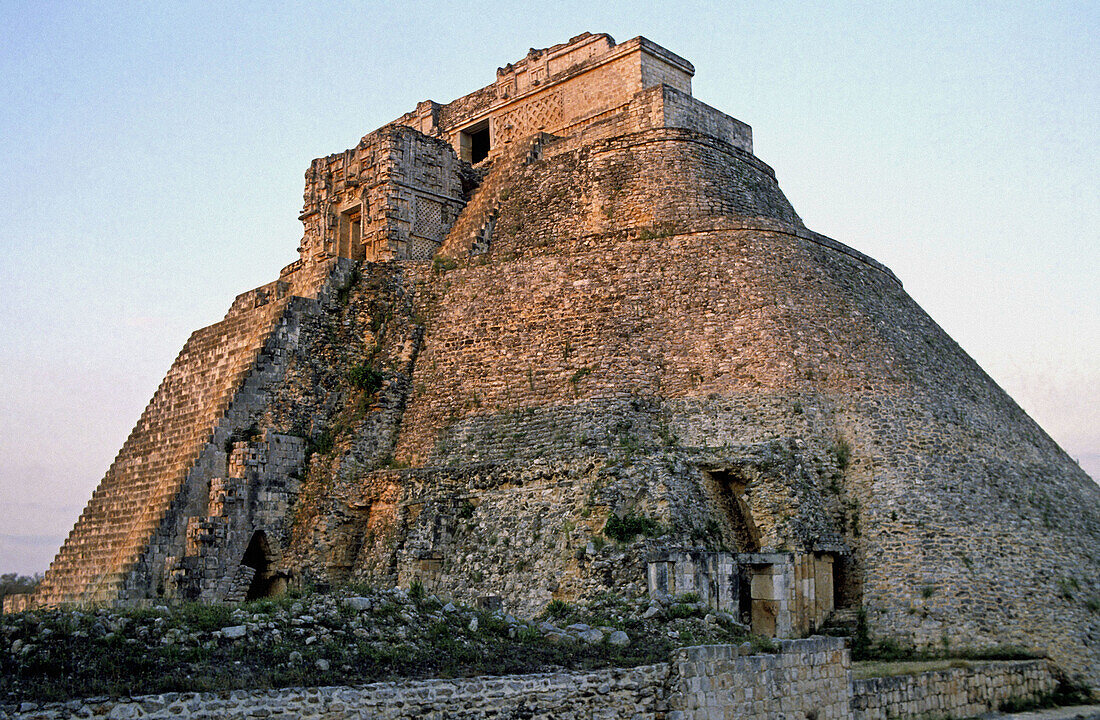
(565, 335)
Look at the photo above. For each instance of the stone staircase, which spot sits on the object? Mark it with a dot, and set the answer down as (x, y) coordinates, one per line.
(136, 494)
(472, 232)
(175, 432)
(842, 622)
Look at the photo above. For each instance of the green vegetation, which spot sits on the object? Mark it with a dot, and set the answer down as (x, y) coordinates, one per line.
(442, 265)
(343, 295)
(558, 609)
(322, 444)
(686, 607)
(366, 378)
(624, 529)
(1066, 588)
(580, 375)
(842, 451)
(247, 434)
(879, 668)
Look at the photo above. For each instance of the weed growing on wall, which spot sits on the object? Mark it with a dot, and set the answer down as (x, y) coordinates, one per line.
(364, 377)
(842, 451)
(624, 529)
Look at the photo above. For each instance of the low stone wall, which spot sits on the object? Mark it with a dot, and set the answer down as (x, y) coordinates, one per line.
(953, 693)
(636, 693)
(806, 679)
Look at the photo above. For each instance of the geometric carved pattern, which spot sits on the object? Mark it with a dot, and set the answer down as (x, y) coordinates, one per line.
(422, 248)
(429, 219)
(530, 117)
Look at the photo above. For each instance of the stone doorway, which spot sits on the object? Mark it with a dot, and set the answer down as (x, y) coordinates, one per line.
(730, 489)
(350, 233)
(473, 143)
(258, 557)
(789, 594)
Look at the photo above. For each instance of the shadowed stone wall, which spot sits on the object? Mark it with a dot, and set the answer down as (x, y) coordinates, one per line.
(806, 678)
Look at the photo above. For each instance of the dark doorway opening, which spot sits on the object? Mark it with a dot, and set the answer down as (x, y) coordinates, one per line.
(475, 143)
(258, 557)
(350, 234)
(730, 489)
(847, 588)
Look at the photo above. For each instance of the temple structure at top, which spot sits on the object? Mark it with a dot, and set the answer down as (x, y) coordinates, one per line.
(395, 195)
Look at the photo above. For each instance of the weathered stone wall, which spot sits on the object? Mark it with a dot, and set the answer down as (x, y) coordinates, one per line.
(953, 693)
(164, 450)
(680, 110)
(636, 693)
(747, 335)
(568, 308)
(806, 678)
(135, 529)
(528, 531)
(345, 390)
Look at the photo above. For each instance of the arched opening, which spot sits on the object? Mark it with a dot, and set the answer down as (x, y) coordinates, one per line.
(257, 556)
(730, 490)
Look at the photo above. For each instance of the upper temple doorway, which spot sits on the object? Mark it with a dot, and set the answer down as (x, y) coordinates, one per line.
(473, 142)
(350, 233)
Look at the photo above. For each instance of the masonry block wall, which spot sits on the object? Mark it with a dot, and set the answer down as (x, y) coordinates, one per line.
(960, 692)
(559, 90)
(805, 678)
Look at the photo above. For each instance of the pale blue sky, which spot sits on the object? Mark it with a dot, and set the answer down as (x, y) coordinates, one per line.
(153, 156)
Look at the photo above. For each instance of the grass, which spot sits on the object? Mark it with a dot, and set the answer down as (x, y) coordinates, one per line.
(889, 650)
(158, 650)
(881, 668)
(624, 529)
(366, 378)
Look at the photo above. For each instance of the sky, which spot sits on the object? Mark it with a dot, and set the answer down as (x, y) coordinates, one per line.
(153, 158)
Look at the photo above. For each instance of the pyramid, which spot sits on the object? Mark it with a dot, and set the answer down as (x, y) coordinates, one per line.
(565, 336)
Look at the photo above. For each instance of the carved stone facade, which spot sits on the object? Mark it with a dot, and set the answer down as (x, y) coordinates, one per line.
(392, 197)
